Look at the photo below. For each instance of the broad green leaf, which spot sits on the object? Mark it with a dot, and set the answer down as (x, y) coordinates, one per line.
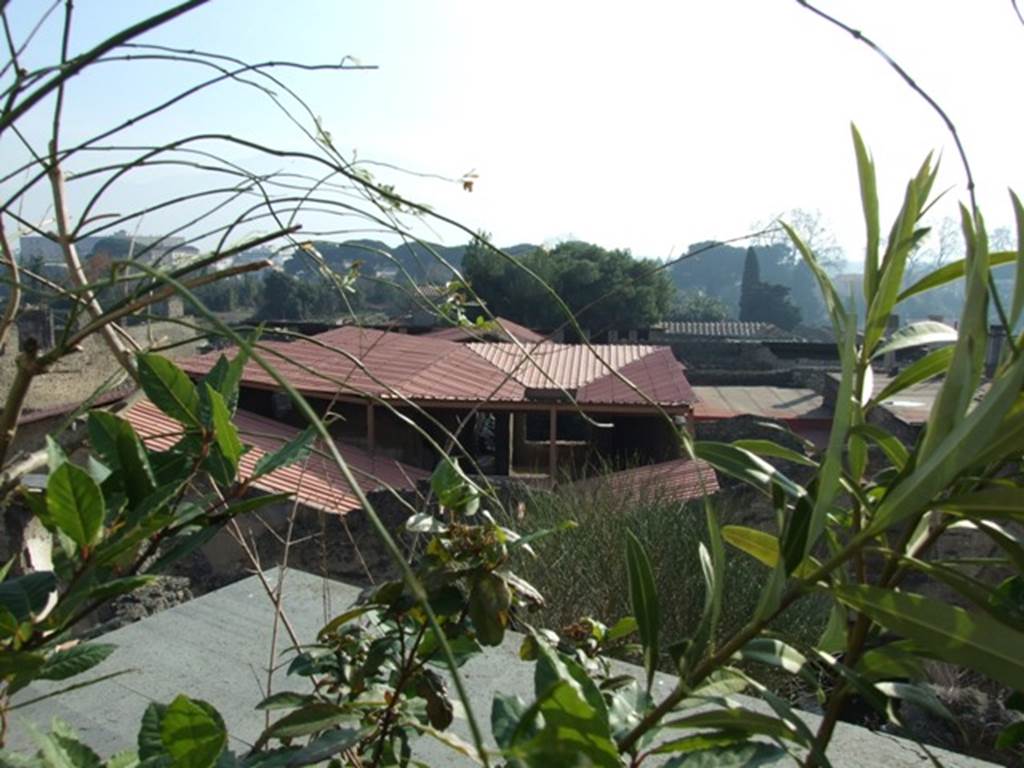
(311, 718)
(1017, 306)
(75, 660)
(918, 335)
(506, 712)
(739, 719)
(294, 450)
(119, 446)
(869, 204)
(149, 741)
(20, 663)
(976, 641)
(224, 432)
(193, 733)
(955, 270)
(55, 455)
(935, 363)
(489, 602)
(643, 597)
(746, 466)
(169, 388)
(454, 490)
(285, 700)
(748, 755)
(75, 504)
(28, 595)
(768, 448)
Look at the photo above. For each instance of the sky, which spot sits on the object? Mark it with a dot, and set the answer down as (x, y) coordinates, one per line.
(647, 125)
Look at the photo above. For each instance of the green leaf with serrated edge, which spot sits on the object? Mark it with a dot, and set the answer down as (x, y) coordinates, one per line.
(285, 700)
(122, 586)
(20, 663)
(74, 661)
(291, 452)
(955, 270)
(746, 466)
(918, 335)
(149, 741)
(896, 451)
(768, 448)
(75, 504)
(169, 389)
(643, 597)
(192, 733)
(976, 641)
(224, 432)
(27, 595)
(312, 718)
(120, 447)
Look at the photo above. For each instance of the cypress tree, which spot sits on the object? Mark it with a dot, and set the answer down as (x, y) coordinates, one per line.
(749, 286)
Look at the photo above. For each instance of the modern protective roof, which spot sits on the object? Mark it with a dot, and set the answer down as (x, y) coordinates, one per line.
(782, 403)
(380, 364)
(676, 480)
(316, 481)
(725, 329)
(498, 330)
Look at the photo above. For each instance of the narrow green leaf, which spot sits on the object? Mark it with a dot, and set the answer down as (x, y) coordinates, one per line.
(746, 466)
(285, 700)
(169, 389)
(193, 733)
(746, 755)
(312, 718)
(833, 304)
(948, 273)
(935, 363)
(869, 204)
(75, 504)
(976, 641)
(1001, 501)
(768, 448)
(644, 601)
(1017, 306)
(760, 545)
(918, 335)
(890, 444)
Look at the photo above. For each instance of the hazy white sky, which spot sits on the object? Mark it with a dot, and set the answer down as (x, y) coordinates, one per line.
(641, 125)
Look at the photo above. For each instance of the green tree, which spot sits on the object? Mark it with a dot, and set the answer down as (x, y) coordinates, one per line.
(765, 302)
(698, 306)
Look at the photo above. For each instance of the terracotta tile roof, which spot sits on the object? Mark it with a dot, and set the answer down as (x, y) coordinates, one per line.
(677, 480)
(726, 329)
(375, 363)
(500, 330)
(723, 402)
(316, 481)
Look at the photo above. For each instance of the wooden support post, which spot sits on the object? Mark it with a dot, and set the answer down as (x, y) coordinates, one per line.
(553, 444)
(371, 429)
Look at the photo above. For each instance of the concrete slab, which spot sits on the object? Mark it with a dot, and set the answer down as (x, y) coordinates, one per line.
(217, 648)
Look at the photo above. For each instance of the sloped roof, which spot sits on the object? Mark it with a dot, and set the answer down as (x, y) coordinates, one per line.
(726, 329)
(499, 330)
(386, 365)
(725, 402)
(316, 481)
(676, 480)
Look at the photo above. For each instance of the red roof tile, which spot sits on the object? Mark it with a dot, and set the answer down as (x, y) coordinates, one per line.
(677, 480)
(316, 481)
(500, 330)
(360, 362)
